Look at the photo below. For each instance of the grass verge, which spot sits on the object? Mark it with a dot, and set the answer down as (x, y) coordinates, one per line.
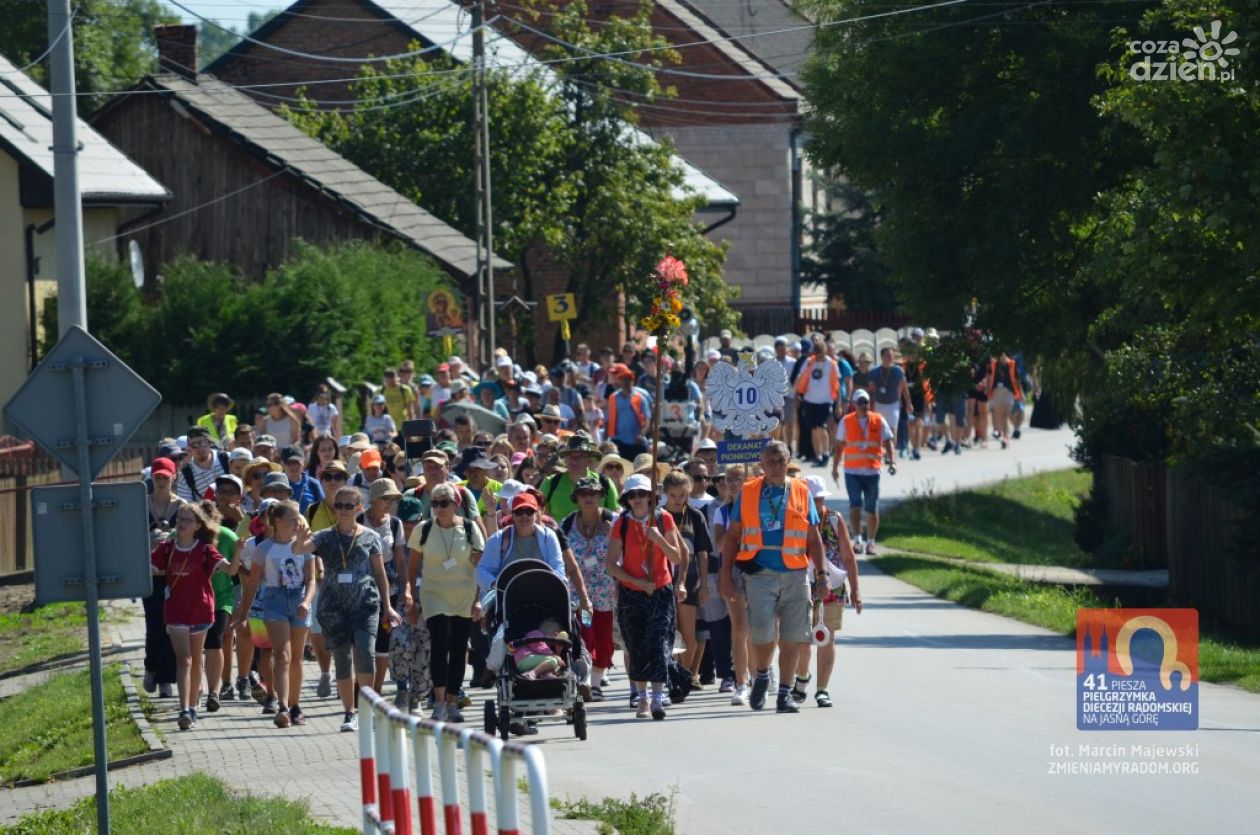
(194, 805)
(650, 815)
(1222, 659)
(48, 728)
(1025, 520)
(45, 634)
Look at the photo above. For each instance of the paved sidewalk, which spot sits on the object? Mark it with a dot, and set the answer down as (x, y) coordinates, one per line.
(1057, 575)
(239, 745)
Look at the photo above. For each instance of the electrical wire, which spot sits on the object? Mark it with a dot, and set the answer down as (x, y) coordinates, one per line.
(56, 40)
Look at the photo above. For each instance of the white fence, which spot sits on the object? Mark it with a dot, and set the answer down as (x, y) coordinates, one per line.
(392, 742)
(858, 341)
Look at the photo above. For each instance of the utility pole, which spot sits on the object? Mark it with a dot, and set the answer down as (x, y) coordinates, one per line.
(71, 311)
(67, 208)
(481, 161)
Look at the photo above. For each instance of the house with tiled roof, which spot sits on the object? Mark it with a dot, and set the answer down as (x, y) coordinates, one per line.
(112, 186)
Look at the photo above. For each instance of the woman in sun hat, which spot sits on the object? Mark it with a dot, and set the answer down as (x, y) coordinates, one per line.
(642, 557)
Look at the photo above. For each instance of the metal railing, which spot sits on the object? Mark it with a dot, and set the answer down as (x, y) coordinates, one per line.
(392, 742)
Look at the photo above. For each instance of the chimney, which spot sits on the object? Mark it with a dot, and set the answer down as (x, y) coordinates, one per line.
(177, 50)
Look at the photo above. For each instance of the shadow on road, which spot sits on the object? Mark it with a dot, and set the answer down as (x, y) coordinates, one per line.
(989, 641)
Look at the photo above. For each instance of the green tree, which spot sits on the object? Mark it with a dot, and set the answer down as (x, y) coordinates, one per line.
(214, 39)
(114, 44)
(567, 176)
(843, 256)
(977, 134)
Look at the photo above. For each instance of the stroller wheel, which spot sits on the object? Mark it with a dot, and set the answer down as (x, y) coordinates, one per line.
(505, 723)
(579, 721)
(491, 725)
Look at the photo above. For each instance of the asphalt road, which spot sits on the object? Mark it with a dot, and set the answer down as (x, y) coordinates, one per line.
(946, 720)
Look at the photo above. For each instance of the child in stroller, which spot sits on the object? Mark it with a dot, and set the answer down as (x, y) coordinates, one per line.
(535, 657)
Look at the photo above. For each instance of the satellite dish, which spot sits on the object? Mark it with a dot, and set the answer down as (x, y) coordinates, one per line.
(137, 263)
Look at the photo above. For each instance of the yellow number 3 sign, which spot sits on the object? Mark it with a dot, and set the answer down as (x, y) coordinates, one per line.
(561, 307)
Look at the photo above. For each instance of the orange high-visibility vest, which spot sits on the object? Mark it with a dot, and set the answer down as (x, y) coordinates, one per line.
(795, 522)
(802, 379)
(862, 452)
(1010, 362)
(636, 403)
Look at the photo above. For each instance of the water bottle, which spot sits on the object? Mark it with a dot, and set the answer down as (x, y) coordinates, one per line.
(585, 617)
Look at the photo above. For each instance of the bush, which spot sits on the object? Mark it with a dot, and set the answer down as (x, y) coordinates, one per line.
(346, 310)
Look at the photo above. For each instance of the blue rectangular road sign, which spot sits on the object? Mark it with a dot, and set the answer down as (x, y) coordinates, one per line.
(741, 450)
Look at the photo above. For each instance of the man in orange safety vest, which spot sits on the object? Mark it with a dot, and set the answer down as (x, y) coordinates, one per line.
(863, 441)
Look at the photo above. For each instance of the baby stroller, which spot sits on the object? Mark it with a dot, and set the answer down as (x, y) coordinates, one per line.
(528, 592)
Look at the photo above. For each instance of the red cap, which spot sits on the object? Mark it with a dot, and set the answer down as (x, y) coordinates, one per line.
(524, 500)
(620, 369)
(444, 367)
(163, 466)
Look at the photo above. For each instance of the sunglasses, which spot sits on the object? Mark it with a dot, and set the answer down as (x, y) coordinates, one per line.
(589, 494)
(442, 503)
(344, 506)
(333, 477)
(613, 467)
(199, 445)
(700, 478)
(637, 494)
(188, 520)
(524, 511)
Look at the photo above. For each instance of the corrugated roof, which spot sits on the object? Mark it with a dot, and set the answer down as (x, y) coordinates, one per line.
(324, 168)
(105, 173)
(446, 23)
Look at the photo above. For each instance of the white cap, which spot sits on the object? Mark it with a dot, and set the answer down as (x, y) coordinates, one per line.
(860, 394)
(182, 440)
(503, 362)
(725, 334)
(817, 487)
(241, 454)
(707, 443)
(511, 489)
(917, 333)
(714, 354)
(638, 481)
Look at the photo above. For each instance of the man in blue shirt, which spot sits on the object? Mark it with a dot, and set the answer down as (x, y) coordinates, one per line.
(772, 548)
(629, 412)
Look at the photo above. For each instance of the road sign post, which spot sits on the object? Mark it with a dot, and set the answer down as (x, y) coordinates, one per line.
(52, 406)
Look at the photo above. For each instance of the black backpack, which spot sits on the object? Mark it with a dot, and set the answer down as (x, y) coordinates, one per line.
(426, 527)
(191, 480)
(605, 514)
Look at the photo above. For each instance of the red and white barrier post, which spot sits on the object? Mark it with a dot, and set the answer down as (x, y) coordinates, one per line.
(367, 763)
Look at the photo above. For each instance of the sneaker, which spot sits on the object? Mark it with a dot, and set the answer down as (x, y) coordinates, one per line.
(242, 687)
(931, 444)
(269, 706)
(150, 681)
(870, 548)
(308, 653)
(915, 455)
(1015, 434)
(658, 710)
(226, 693)
(740, 696)
(1004, 443)
(641, 708)
(282, 718)
(257, 690)
(786, 705)
(757, 698)
(597, 694)
(665, 700)
(439, 712)
(349, 723)
(192, 711)
(165, 692)
(948, 446)
(634, 699)
(401, 698)
(727, 685)
(823, 698)
(798, 692)
(185, 720)
(464, 700)
(958, 450)
(453, 714)
(296, 716)
(212, 703)
(604, 682)
(324, 688)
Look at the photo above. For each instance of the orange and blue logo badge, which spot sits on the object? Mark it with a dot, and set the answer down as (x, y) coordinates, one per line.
(1137, 669)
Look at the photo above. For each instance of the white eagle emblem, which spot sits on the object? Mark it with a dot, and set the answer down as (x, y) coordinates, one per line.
(746, 402)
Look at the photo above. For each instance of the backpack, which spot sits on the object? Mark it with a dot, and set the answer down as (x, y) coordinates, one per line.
(191, 480)
(426, 527)
(554, 485)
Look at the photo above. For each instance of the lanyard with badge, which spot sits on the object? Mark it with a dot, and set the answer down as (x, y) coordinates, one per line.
(346, 576)
(774, 523)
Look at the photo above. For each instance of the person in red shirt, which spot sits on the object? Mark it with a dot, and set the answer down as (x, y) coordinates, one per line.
(640, 556)
(186, 561)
